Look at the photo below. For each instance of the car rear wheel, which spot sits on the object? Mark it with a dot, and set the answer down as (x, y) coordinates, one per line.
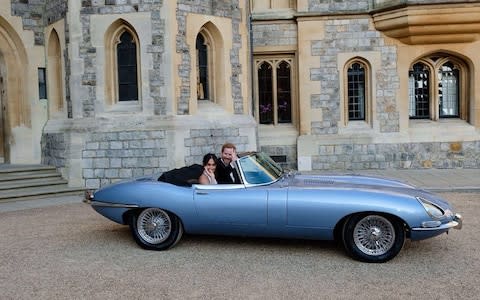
(373, 238)
(155, 229)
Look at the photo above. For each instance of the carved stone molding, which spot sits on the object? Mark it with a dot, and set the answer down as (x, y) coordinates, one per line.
(426, 24)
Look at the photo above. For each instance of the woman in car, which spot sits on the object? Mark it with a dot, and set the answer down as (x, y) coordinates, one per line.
(209, 165)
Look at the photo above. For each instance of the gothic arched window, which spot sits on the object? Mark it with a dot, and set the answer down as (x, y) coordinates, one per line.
(274, 84)
(265, 93)
(356, 91)
(439, 96)
(202, 64)
(127, 68)
(419, 91)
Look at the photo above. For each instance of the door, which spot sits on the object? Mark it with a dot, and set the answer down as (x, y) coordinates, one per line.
(230, 204)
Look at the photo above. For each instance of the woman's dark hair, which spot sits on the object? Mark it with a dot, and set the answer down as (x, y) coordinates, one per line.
(209, 156)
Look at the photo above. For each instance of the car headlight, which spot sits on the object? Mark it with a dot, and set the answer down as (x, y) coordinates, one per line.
(432, 210)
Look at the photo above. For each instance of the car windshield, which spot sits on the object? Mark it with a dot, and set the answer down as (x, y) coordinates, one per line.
(259, 168)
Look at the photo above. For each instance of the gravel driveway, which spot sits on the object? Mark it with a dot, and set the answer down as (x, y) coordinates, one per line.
(68, 251)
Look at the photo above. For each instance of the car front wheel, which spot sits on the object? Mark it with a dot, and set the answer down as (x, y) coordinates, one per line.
(155, 229)
(373, 238)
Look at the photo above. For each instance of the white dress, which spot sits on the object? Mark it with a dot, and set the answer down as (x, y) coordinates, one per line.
(211, 179)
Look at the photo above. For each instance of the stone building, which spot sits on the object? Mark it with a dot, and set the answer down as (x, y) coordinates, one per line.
(110, 89)
(379, 84)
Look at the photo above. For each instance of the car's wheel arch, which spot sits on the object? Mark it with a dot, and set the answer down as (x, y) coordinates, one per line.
(373, 237)
(337, 232)
(154, 228)
(128, 214)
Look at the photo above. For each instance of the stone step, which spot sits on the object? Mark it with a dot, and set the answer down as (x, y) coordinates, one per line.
(14, 172)
(26, 182)
(38, 192)
(8, 168)
(12, 176)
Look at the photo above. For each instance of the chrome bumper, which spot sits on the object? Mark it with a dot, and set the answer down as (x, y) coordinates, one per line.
(459, 219)
(88, 197)
(456, 223)
(89, 200)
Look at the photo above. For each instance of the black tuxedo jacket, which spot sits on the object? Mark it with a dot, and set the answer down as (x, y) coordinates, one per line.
(224, 173)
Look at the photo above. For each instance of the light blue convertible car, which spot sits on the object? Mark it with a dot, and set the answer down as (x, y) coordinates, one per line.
(370, 216)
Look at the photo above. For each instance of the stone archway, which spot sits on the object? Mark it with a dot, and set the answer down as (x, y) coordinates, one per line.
(15, 110)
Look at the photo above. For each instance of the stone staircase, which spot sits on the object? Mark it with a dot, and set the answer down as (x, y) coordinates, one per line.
(26, 182)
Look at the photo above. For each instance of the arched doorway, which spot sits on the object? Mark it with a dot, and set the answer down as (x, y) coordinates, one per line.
(15, 109)
(3, 108)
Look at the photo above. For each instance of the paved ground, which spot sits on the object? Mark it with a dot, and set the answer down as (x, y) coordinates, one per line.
(67, 251)
(37, 203)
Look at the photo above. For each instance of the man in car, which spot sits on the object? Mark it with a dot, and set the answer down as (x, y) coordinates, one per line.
(225, 172)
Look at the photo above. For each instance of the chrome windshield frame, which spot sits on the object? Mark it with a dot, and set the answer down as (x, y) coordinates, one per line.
(270, 168)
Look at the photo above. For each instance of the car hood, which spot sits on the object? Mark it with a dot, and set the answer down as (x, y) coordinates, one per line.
(362, 182)
(307, 180)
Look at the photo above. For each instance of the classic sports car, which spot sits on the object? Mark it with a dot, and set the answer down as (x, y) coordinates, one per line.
(371, 216)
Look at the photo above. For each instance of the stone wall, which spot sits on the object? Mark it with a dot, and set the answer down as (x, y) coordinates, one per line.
(115, 155)
(224, 8)
(54, 146)
(89, 55)
(338, 6)
(203, 141)
(55, 10)
(353, 35)
(277, 34)
(335, 6)
(441, 155)
(290, 153)
(32, 17)
(38, 14)
(112, 156)
(96, 153)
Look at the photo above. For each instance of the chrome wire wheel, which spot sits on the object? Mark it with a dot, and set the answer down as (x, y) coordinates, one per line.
(374, 235)
(154, 225)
